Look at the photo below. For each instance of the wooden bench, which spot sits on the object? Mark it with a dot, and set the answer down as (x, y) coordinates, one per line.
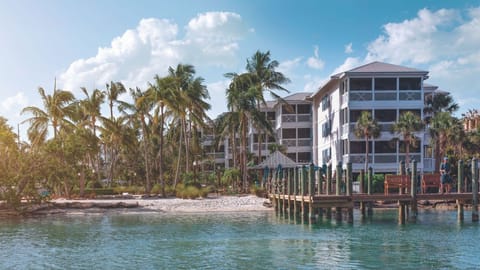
(430, 181)
(396, 182)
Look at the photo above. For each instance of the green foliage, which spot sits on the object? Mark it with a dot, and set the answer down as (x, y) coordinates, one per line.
(129, 189)
(258, 191)
(190, 192)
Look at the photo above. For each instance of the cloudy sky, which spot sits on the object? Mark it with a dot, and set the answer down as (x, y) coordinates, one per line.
(89, 43)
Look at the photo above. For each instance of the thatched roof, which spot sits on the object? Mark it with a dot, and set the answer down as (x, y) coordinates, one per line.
(277, 158)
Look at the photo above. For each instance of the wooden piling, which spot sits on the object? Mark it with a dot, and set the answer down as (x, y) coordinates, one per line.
(474, 189)
(362, 190)
(460, 175)
(369, 190)
(338, 210)
(413, 192)
(349, 191)
(328, 190)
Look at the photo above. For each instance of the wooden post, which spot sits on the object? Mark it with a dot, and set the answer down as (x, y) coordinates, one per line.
(349, 191)
(311, 191)
(413, 191)
(362, 190)
(339, 179)
(328, 190)
(474, 189)
(402, 172)
(369, 190)
(460, 174)
(401, 213)
(295, 188)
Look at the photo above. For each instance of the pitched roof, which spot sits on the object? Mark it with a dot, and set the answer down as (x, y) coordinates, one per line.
(297, 96)
(275, 159)
(381, 67)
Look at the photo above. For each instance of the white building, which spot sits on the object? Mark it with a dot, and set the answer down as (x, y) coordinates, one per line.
(386, 91)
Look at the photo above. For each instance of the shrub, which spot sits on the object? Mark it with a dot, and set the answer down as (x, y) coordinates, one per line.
(258, 191)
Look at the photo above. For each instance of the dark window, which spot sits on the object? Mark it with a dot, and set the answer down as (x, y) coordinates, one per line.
(359, 147)
(289, 133)
(413, 149)
(385, 83)
(360, 84)
(271, 115)
(326, 129)
(355, 115)
(304, 157)
(385, 147)
(303, 133)
(292, 156)
(288, 109)
(410, 83)
(386, 115)
(325, 102)
(303, 108)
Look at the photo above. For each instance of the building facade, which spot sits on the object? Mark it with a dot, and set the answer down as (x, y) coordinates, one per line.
(386, 91)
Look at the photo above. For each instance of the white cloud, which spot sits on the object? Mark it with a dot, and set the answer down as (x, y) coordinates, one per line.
(288, 67)
(348, 48)
(418, 41)
(17, 102)
(137, 55)
(313, 83)
(217, 92)
(349, 63)
(315, 62)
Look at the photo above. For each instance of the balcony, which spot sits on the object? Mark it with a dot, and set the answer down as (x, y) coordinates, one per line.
(292, 118)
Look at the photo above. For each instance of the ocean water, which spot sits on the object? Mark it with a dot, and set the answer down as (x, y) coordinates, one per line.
(260, 240)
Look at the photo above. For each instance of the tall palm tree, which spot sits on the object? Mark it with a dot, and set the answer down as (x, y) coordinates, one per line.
(139, 112)
(367, 128)
(241, 95)
(408, 123)
(263, 69)
(439, 103)
(113, 90)
(58, 108)
(163, 94)
(440, 127)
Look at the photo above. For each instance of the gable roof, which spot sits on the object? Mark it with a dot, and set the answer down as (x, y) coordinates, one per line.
(277, 158)
(380, 67)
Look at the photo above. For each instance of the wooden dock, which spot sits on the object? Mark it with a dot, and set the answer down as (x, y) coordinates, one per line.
(306, 192)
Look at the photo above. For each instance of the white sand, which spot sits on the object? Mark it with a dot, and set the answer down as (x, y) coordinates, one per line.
(174, 205)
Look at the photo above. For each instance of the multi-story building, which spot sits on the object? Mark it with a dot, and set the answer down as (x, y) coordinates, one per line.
(386, 91)
(291, 119)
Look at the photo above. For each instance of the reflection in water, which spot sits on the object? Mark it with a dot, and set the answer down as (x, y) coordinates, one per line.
(237, 241)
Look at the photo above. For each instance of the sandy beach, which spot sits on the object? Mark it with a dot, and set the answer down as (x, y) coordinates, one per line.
(247, 203)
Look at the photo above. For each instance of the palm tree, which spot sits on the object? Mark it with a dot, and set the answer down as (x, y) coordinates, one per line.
(241, 95)
(140, 113)
(58, 107)
(439, 103)
(113, 90)
(268, 79)
(367, 128)
(408, 123)
(440, 127)
(164, 95)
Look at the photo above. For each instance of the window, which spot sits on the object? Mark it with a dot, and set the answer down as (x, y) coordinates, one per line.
(360, 84)
(326, 129)
(303, 133)
(288, 109)
(271, 116)
(410, 84)
(304, 157)
(385, 83)
(292, 156)
(289, 133)
(413, 149)
(303, 109)
(386, 115)
(326, 155)
(359, 147)
(325, 102)
(355, 115)
(385, 147)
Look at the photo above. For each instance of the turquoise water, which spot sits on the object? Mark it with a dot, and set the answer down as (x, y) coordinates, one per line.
(237, 241)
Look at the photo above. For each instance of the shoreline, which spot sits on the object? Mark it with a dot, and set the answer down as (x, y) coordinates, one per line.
(247, 203)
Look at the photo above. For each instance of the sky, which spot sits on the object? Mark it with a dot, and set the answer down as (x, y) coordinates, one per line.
(89, 43)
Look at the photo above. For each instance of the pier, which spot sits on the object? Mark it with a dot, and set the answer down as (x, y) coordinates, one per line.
(312, 193)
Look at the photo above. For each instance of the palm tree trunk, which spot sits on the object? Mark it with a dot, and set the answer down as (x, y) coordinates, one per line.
(178, 159)
(160, 158)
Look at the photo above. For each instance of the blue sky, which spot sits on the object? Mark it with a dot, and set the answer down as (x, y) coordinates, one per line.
(89, 43)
